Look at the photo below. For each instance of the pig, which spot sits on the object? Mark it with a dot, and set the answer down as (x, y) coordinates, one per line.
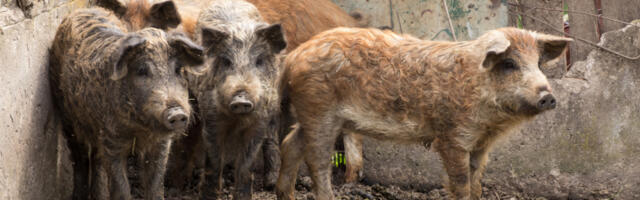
(139, 14)
(187, 156)
(119, 92)
(238, 97)
(460, 97)
(299, 24)
(301, 20)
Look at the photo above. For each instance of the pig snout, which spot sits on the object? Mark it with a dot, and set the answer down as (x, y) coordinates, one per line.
(546, 101)
(240, 104)
(175, 118)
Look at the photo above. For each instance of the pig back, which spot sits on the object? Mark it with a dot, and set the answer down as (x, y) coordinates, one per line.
(380, 73)
(80, 59)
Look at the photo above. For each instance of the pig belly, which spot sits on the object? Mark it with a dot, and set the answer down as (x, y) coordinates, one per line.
(374, 124)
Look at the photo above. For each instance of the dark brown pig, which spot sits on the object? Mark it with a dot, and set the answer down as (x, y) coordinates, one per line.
(119, 92)
(300, 20)
(239, 96)
(186, 160)
(460, 96)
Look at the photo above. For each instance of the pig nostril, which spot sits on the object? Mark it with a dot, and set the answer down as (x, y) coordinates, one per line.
(547, 102)
(176, 118)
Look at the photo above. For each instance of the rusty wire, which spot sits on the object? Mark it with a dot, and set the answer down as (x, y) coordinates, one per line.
(575, 37)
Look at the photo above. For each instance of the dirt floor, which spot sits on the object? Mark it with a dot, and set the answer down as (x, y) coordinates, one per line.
(360, 192)
(356, 191)
(342, 191)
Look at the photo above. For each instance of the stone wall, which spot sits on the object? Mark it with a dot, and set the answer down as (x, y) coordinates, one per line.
(33, 163)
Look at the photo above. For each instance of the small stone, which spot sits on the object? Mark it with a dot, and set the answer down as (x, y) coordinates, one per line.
(555, 172)
(362, 193)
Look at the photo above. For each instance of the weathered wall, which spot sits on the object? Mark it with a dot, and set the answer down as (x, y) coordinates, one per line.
(582, 26)
(33, 163)
(427, 19)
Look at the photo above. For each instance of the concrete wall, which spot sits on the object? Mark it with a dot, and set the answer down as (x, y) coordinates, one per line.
(427, 19)
(33, 163)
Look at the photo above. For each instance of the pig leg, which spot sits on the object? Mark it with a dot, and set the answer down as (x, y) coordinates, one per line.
(153, 166)
(456, 163)
(114, 160)
(81, 165)
(214, 182)
(98, 178)
(353, 151)
(478, 161)
(320, 139)
(243, 177)
(292, 146)
(271, 153)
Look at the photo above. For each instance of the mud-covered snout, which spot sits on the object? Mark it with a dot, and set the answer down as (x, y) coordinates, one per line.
(241, 103)
(546, 101)
(175, 118)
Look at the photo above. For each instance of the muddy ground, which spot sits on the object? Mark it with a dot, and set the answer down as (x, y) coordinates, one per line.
(360, 191)
(343, 191)
(364, 189)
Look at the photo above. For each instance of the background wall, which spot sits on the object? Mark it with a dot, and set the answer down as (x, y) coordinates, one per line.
(427, 19)
(33, 163)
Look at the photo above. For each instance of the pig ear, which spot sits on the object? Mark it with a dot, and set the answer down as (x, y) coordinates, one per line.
(494, 43)
(212, 37)
(274, 36)
(164, 15)
(551, 47)
(126, 47)
(117, 6)
(187, 52)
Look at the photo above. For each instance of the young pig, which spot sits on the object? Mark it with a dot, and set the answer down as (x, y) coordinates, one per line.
(119, 92)
(238, 97)
(460, 96)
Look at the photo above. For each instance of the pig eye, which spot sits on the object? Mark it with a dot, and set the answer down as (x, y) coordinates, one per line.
(224, 61)
(509, 65)
(259, 61)
(178, 69)
(142, 71)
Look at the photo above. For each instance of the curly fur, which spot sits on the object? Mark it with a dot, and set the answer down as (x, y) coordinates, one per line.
(460, 96)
